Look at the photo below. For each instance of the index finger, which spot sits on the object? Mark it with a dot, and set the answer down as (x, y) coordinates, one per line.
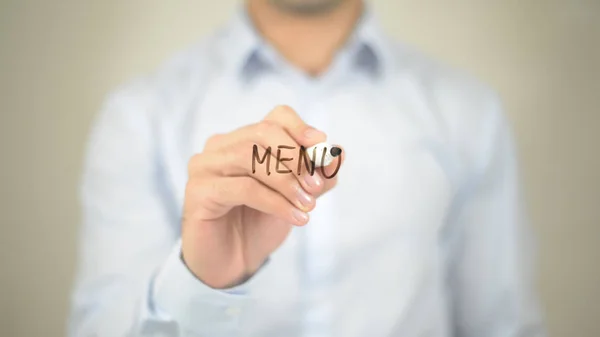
(288, 119)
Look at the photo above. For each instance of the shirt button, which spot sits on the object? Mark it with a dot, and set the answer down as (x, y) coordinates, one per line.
(233, 311)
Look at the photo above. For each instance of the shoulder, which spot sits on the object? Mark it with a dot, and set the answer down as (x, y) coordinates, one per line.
(452, 92)
(459, 106)
(174, 83)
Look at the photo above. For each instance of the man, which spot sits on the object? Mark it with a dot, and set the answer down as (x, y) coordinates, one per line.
(421, 233)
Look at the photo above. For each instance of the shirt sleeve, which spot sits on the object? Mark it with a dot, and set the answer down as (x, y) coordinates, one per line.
(131, 280)
(492, 267)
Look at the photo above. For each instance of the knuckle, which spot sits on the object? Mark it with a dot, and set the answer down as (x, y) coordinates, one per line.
(245, 154)
(265, 128)
(245, 149)
(214, 140)
(230, 156)
(234, 159)
(282, 113)
(242, 152)
(194, 191)
(194, 162)
(284, 110)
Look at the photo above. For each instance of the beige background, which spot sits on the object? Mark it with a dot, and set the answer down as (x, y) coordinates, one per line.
(59, 59)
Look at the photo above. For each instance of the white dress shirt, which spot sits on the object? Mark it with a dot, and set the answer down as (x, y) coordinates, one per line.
(424, 236)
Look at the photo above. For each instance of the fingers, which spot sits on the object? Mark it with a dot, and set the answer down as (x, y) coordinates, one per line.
(299, 133)
(330, 172)
(284, 149)
(288, 119)
(228, 192)
(305, 136)
(235, 162)
(265, 158)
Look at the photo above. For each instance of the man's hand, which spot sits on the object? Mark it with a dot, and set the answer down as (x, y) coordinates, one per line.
(234, 218)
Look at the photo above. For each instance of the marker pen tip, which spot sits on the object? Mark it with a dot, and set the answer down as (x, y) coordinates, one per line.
(335, 151)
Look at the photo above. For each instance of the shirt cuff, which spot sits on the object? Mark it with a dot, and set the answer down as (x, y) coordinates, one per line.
(178, 294)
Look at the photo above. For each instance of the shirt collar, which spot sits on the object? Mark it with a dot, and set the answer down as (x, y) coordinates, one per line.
(245, 48)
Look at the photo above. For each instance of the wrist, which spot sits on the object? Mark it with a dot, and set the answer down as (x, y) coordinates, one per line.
(216, 278)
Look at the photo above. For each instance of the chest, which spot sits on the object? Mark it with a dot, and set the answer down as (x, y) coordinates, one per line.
(377, 230)
(393, 179)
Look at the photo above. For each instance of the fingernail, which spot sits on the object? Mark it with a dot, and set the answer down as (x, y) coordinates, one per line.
(313, 181)
(304, 198)
(300, 216)
(311, 133)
